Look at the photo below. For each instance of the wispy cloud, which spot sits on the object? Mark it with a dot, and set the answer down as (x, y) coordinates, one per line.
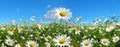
(48, 6)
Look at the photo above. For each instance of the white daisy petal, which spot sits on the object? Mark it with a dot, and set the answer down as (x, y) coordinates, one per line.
(31, 44)
(9, 42)
(62, 40)
(105, 41)
(86, 43)
(110, 28)
(116, 39)
(17, 45)
(59, 13)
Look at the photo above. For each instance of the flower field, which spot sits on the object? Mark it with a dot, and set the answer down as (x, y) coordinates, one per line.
(100, 33)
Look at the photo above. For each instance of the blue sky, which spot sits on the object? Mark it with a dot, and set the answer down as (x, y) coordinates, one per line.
(87, 9)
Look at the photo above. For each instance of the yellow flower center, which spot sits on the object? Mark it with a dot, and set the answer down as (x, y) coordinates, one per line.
(9, 42)
(62, 41)
(62, 13)
(77, 30)
(104, 42)
(12, 31)
(109, 26)
(116, 39)
(32, 45)
(86, 43)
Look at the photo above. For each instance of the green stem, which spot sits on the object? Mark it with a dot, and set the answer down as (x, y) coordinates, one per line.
(60, 21)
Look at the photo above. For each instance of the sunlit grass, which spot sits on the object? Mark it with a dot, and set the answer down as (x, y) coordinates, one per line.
(45, 33)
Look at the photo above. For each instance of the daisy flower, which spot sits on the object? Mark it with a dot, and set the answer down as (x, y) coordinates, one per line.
(92, 28)
(78, 19)
(3, 45)
(32, 18)
(17, 45)
(13, 21)
(106, 20)
(19, 29)
(31, 44)
(62, 40)
(77, 31)
(40, 26)
(63, 13)
(86, 43)
(105, 41)
(116, 39)
(3, 28)
(70, 29)
(118, 24)
(9, 42)
(11, 32)
(47, 44)
(59, 13)
(109, 28)
(70, 46)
